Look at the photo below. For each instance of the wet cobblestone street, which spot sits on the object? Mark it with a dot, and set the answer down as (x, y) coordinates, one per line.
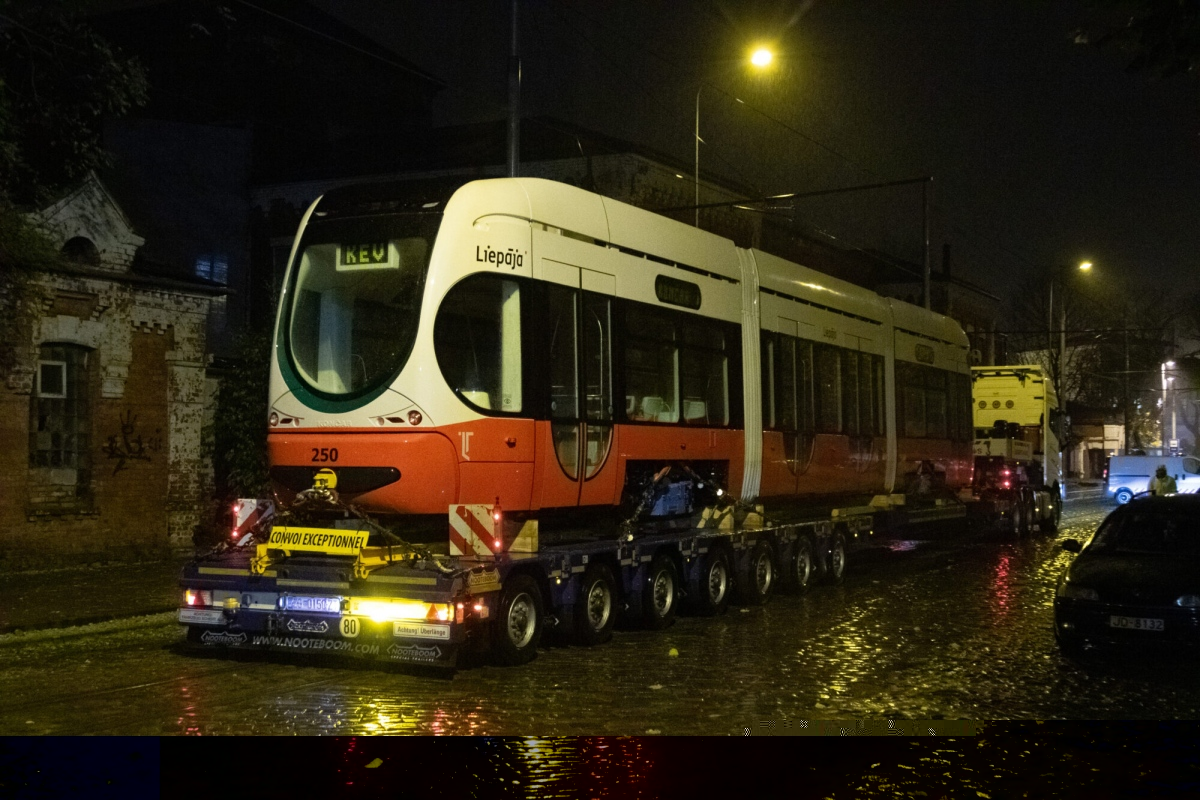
(952, 628)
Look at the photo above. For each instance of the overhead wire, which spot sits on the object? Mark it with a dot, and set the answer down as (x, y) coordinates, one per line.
(654, 52)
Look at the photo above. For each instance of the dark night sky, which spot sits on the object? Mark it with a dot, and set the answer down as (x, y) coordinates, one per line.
(1044, 152)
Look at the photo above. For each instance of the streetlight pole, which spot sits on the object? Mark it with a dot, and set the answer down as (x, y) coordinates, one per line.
(1060, 378)
(1057, 274)
(761, 58)
(1162, 412)
(1167, 365)
(697, 172)
(1125, 382)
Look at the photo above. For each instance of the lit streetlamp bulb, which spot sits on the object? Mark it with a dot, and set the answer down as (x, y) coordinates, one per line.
(761, 57)
(1085, 265)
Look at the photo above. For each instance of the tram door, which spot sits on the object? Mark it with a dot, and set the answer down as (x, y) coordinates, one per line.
(575, 451)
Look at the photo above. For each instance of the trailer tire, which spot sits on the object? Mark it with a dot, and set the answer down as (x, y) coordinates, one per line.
(1055, 510)
(802, 567)
(1017, 521)
(1029, 504)
(518, 627)
(1123, 495)
(660, 593)
(757, 581)
(711, 591)
(835, 559)
(596, 609)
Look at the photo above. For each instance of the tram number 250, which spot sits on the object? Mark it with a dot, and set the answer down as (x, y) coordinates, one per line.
(324, 454)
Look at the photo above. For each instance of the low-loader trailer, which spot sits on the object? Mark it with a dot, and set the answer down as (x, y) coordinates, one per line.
(328, 587)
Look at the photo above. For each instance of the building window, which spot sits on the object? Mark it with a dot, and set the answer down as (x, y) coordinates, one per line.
(60, 424)
(81, 250)
(52, 380)
(213, 268)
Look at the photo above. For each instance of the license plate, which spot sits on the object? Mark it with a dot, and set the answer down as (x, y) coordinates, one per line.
(1136, 623)
(319, 605)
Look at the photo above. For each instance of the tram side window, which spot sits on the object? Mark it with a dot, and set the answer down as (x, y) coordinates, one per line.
(477, 339)
(870, 393)
(787, 395)
(850, 392)
(651, 366)
(787, 383)
(678, 368)
(771, 372)
(935, 403)
(911, 392)
(960, 407)
(828, 385)
(877, 398)
(703, 374)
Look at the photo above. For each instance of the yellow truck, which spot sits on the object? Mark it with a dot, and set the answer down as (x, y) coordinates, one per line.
(1018, 483)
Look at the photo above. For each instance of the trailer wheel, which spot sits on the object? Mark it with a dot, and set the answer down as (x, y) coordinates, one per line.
(800, 572)
(835, 559)
(1016, 517)
(711, 595)
(518, 629)
(1029, 511)
(660, 594)
(595, 611)
(1055, 511)
(1123, 495)
(757, 581)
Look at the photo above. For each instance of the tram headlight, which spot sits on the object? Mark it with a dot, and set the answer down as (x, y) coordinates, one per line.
(414, 418)
(273, 420)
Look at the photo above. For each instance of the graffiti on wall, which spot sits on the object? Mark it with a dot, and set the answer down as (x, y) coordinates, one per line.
(129, 445)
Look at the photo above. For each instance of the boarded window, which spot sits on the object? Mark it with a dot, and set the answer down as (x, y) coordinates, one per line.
(60, 414)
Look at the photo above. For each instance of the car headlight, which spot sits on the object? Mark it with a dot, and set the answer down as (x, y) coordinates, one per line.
(1077, 592)
(1188, 601)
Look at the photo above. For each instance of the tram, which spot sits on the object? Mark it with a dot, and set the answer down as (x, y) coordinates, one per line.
(527, 344)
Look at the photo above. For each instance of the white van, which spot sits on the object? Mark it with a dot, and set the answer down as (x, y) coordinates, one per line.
(1129, 475)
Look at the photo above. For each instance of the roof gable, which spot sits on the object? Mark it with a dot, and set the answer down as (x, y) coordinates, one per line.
(91, 212)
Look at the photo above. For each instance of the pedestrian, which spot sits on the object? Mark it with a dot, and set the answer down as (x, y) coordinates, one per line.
(1162, 483)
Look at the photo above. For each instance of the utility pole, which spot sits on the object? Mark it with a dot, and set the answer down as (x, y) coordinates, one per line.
(514, 101)
(1125, 404)
(927, 197)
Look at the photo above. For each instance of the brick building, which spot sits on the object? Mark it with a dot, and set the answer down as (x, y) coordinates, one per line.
(104, 413)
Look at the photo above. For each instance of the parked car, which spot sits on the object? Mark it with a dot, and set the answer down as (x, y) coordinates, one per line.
(1127, 476)
(1136, 580)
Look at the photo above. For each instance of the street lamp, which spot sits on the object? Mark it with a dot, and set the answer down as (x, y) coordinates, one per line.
(1166, 450)
(1084, 266)
(761, 58)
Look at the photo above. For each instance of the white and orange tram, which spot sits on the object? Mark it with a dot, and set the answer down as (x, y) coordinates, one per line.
(524, 343)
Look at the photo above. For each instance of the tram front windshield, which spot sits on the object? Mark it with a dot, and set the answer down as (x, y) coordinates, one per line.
(355, 299)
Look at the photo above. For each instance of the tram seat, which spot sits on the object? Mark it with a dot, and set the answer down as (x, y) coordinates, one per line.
(694, 410)
(656, 409)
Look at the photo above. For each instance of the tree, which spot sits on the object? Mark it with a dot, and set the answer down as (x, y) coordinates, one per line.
(1117, 339)
(59, 80)
(1157, 37)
